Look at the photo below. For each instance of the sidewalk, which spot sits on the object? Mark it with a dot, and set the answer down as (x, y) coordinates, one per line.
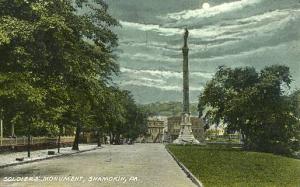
(9, 159)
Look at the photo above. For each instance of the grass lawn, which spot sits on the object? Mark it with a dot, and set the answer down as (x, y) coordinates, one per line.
(217, 165)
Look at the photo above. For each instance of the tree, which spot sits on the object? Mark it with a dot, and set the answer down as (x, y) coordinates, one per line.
(125, 119)
(254, 104)
(136, 118)
(54, 61)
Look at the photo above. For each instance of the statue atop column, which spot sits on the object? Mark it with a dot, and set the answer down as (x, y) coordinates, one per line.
(186, 35)
(185, 136)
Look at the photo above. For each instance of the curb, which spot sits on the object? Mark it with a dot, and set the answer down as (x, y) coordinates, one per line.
(47, 158)
(186, 171)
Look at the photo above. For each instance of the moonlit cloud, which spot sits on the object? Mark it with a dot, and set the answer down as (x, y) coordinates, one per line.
(153, 84)
(212, 11)
(231, 32)
(164, 74)
(155, 28)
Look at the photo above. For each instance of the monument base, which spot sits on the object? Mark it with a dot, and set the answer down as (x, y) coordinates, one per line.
(186, 135)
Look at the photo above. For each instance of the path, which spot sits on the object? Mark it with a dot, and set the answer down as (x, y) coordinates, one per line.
(142, 165)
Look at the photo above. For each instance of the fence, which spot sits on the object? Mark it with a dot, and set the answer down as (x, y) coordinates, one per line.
(34, 140)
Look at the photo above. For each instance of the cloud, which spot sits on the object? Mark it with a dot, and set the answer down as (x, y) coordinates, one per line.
(284, 53)
(223, 30)
(168, 31)
(163, 80)
(237, 33)
(149, 57)
(153, 84)
(164, 74)
(219, 9)
(148, 27)
(158, 46)
(268, 33)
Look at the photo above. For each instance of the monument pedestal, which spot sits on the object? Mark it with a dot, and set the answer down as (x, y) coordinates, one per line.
(186, 135)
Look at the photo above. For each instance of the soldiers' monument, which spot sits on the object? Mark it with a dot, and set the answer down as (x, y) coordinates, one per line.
(186, 135)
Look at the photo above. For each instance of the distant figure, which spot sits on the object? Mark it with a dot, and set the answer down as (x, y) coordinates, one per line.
(186, 35)
(130, 141)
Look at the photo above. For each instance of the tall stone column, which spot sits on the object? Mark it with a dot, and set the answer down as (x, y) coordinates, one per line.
(185, 135)
(185, 70)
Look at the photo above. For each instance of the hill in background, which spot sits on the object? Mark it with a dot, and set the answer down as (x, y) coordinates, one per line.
(168, 108)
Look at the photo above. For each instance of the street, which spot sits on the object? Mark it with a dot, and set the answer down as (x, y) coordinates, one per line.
(114, 165)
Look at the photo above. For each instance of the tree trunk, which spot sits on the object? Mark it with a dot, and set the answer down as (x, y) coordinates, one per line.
(58, 141)
(117, 139)
(99, 134)
(76, 140)
(112, 138)
(245, 141)
(28, 139)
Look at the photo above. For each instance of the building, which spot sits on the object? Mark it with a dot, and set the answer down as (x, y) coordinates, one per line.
(156, 128)
(218, 130)
(173, 128)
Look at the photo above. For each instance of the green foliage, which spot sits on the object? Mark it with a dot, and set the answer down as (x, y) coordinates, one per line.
(126, 119)
(296, 103)
(255, 104)
(56, 64)
(218, 165)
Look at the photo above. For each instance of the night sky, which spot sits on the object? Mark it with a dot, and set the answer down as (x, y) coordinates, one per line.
(232, 33)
